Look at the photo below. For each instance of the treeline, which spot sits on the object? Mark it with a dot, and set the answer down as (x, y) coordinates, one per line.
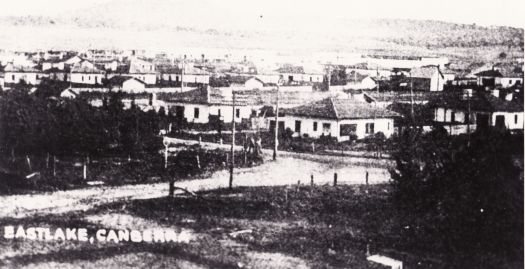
(32, 124)
(461, 197)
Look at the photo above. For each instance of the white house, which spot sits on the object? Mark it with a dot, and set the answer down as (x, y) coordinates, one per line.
(143, 70)
(86, 73)
(15, 74)
(69, 93)
(126, 84)
(197, 105)
(339, 118)
(297, 74)
(451, 111)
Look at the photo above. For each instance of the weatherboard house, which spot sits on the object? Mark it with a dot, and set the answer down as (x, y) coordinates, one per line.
(339, 118)
(199, 104)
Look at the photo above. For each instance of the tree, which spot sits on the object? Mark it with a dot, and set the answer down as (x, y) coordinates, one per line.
(466, 201)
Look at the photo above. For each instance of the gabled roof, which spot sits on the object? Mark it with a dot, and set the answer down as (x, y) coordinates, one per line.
(210, 96)
(21, 69)
(339, 109)
(489, 73)
(425, 72)
(119, 80)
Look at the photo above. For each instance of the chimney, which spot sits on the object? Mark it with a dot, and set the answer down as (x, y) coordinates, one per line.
(495, 92)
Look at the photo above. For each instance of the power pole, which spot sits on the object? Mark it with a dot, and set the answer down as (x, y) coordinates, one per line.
(233, 141)
(182, 75)
(411, 99)
(468, 118)
(276, 138)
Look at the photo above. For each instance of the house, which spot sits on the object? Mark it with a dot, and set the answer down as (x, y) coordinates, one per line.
(363, 82)
(291, 75)
(426, 78)
(488, 78)
(249, 83)
(339, 118)
(14, 74)
(199, 104)
(143, 70)
(85, 72)
(486, 109)
(195, 76)
(69, 94)
(126, 84)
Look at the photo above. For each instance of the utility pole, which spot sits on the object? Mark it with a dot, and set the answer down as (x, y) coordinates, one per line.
(276, 138)
(182, 75)
(233, 141)
(329, 76)
(468, 118)
(411, 99)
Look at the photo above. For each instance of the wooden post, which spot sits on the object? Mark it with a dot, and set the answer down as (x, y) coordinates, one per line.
(54, 165)
(166, 157)
(28, 163)
(233, 141)
(276, 137)
(335, 179)
(47, 160)
(198, 162)
(84, 172)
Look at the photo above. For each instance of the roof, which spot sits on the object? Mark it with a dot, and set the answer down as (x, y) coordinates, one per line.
(291, 69)
(119, 80)
(339, 109)
(489, 73)
(424, 72)
(20, 69)
(478, 102)
(210, 96)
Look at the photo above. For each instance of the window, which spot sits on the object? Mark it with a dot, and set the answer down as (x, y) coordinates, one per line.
(237, 113)
(510, 81)
(13, 77)
(515, 119)
(452, 116)
(219, 112)
(196, 112)
(297, 126)
(326, 127)
(388, 126)
(369, 128)
(82, 78)
(347, 129)
(315, 126)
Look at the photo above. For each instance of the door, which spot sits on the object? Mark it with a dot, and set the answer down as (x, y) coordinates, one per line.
(482, 121)
(500, 122)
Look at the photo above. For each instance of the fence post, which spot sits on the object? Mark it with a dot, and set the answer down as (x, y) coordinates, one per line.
(28, 163)
(335, 179)
(54, 165)
(84, 174)
(198, 162)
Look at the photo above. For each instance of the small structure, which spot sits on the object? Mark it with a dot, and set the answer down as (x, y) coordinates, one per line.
(126, 84)
(386, 261)
(69, 94)
(14, 74)
(426, 78)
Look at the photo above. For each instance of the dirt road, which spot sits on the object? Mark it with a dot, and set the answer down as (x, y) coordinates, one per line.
(287, 170)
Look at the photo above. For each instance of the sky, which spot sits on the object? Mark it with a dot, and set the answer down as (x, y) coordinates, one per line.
(481, 12)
